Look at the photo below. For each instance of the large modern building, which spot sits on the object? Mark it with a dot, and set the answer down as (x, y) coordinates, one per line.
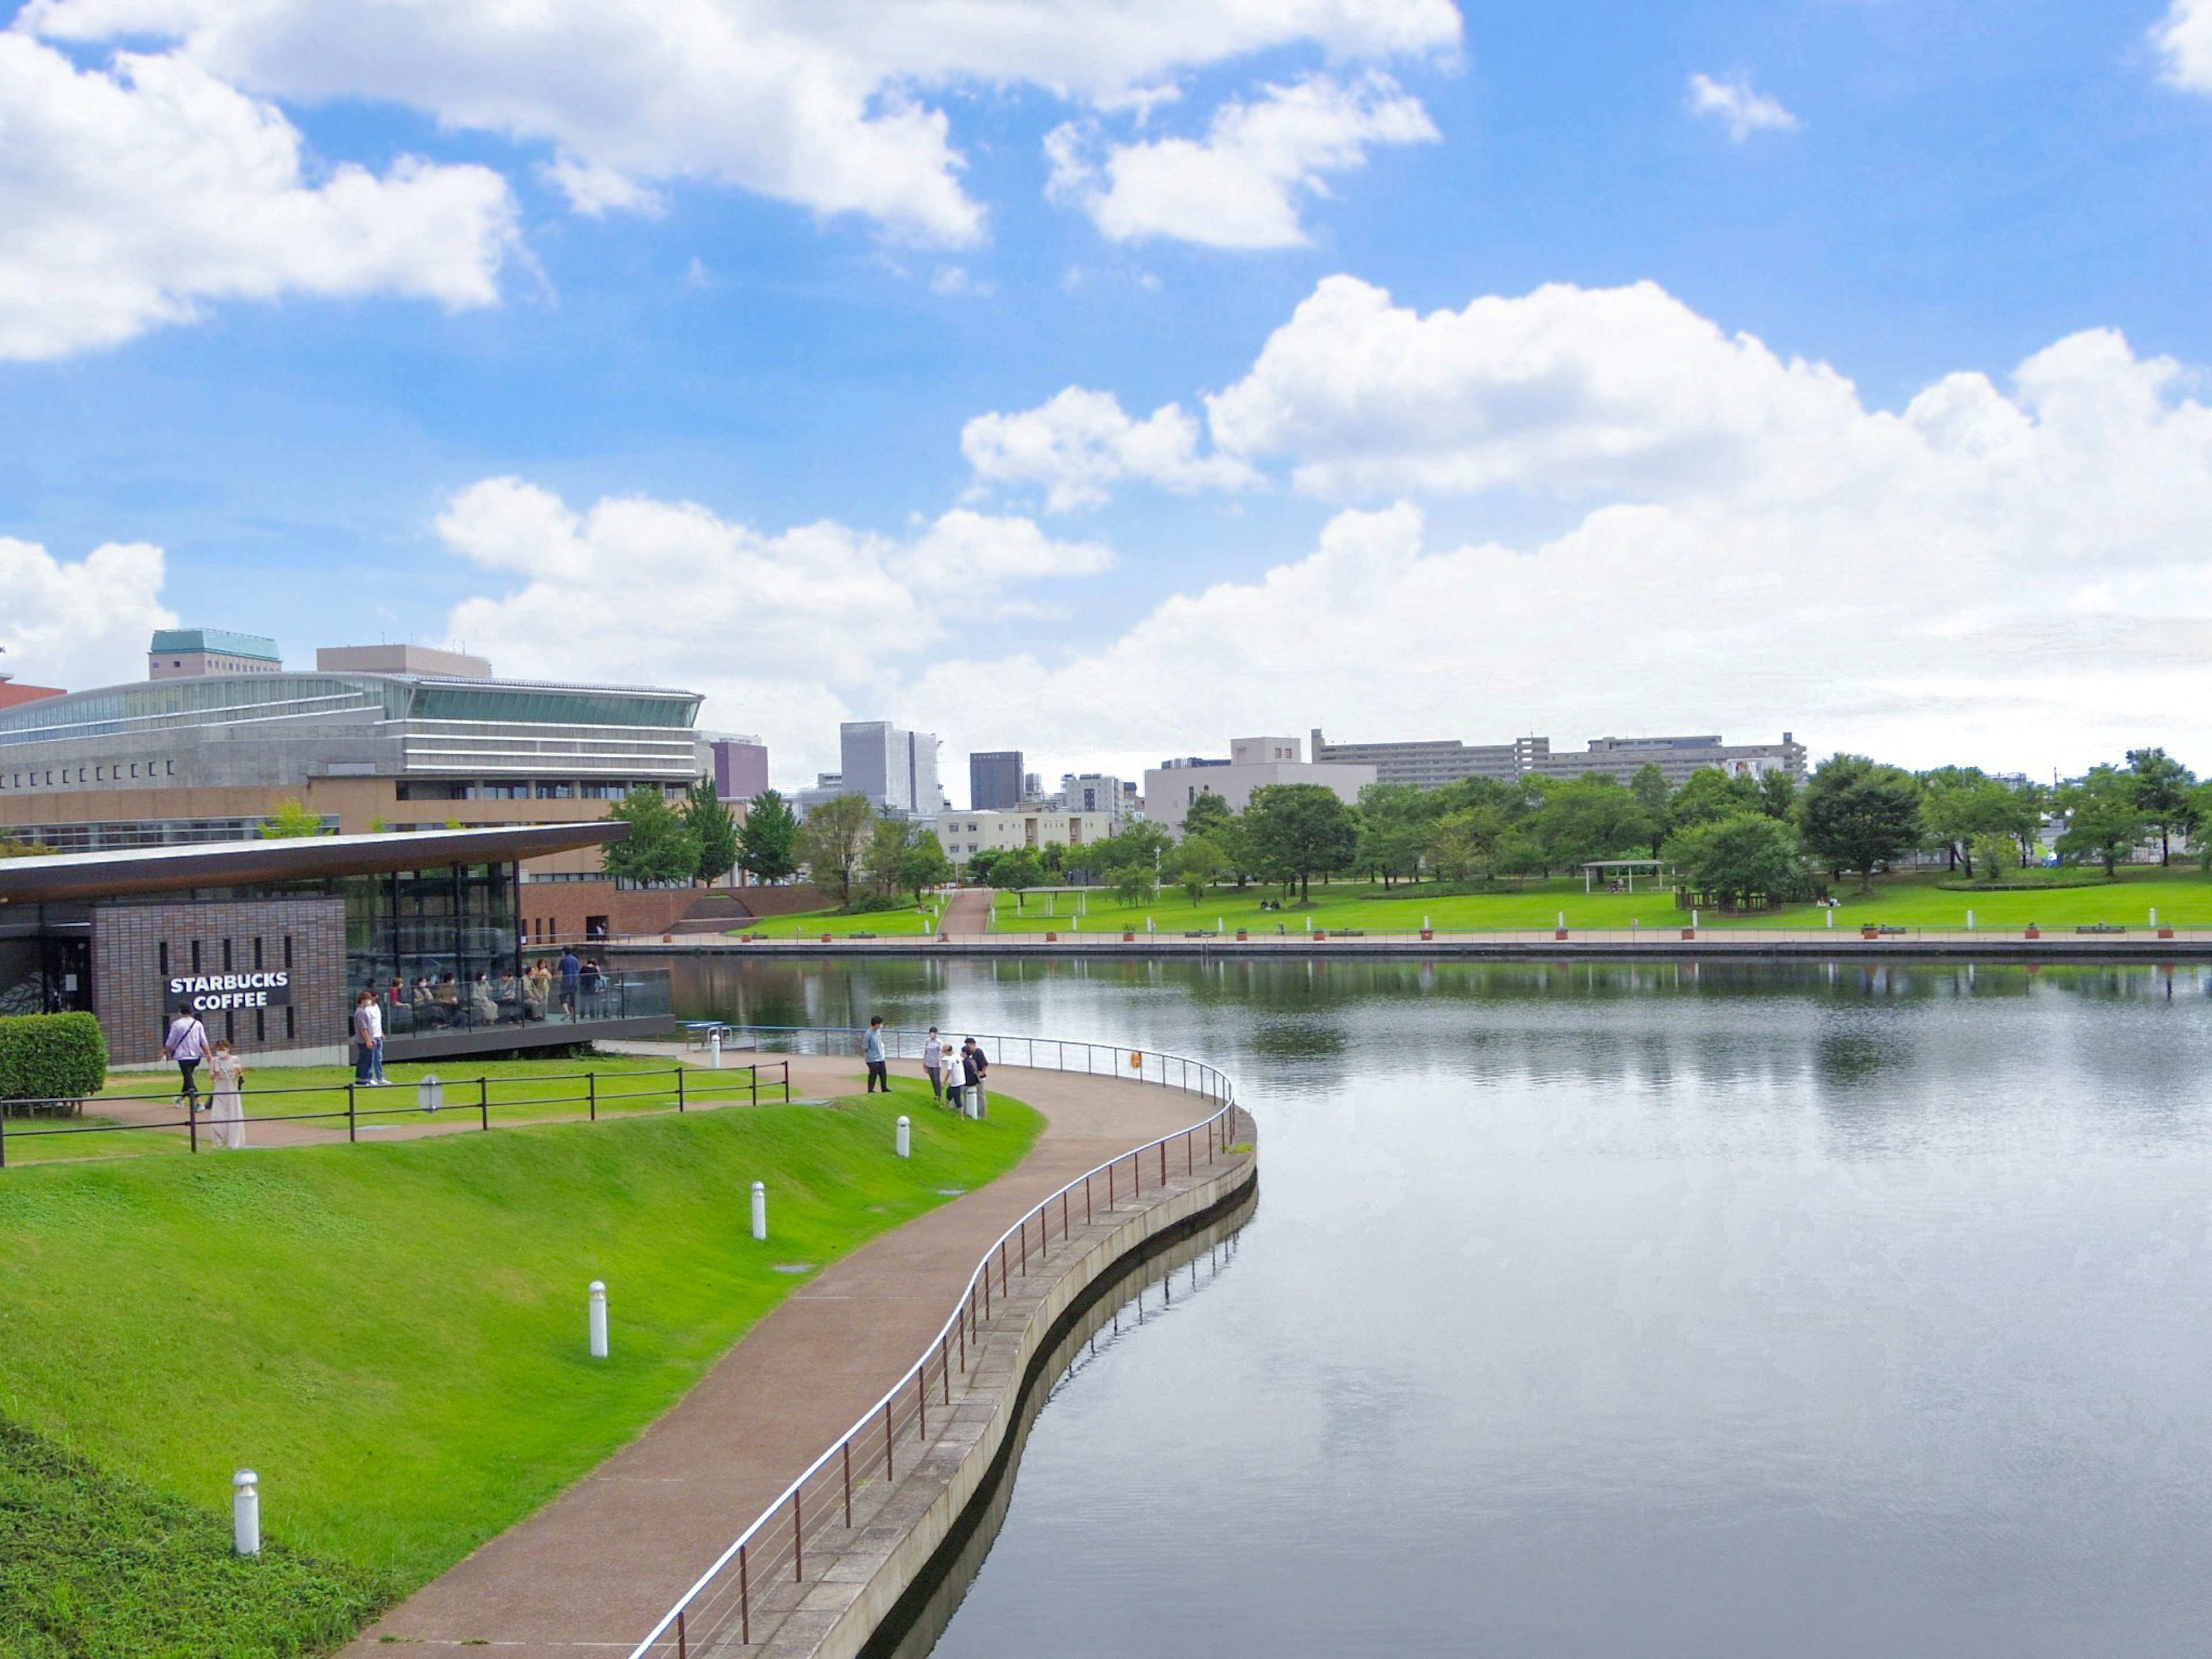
(376, 738)
(191, 653)
(1095, 792)
(1253, 763)
(895, 768)
(964, 834)
(269, 941)
(1429, 764)
(994, 780)
(740, 766)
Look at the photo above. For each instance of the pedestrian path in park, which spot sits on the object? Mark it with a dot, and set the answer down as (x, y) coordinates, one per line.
(591, 1572)
(966, 914)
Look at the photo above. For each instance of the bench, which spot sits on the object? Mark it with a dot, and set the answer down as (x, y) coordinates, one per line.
(1880, 927)
(1199, 933)
(2101, 927)
(1351, 933)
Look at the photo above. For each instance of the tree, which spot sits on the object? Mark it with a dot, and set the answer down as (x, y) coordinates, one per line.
(2164, 795)
(291, 822)
(1992, 857)
(1463, 846)
(1205, 815)
(1135, 884)
(1649, 786)
(1708, 794)
(1778, 791)
(714, 832)
(768, 840)
(12, 848)
(660, 847)
(1589, 818)
(1860, 815)
(1136, 843)
(2104, 820)
(830, 841)
(923, 865)
(1961, 806)
(1394, 830)
(1300, 830)
(1196, 865)
(1016, 873)
(888, 840)
(1740, 858)
(984, 862)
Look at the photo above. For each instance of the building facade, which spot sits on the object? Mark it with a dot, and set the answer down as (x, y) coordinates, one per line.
(895, 768)
(740, 766)
(994, 781)
(189, 653)
(209, 757)
(1430, 765)
(964, 834)
(1253, 763)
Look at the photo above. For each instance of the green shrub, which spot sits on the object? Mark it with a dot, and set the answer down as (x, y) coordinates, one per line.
(873, 904)
(51, 1057)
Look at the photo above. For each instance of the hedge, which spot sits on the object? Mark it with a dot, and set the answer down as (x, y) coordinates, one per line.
(51, 1057)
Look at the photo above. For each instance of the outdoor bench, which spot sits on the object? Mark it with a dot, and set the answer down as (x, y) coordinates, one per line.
(2101, 927)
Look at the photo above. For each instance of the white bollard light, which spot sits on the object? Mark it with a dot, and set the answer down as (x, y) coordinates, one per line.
(1308, 924)
(429, 1092)
(905, 1138)
(1969, 921)
(1562, 918)
(2153, 916)
(1693, 921)
(714, 1050)
(760, 1209)
(599, 1319)
(246, 1513)
(1832, 919)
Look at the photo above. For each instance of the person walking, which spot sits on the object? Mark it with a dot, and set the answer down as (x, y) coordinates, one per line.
(871, 1050)
(227, 1113)
(977, 1068)
(571, 972)
(932, 1063)
(368, 1041)
(187, 1044)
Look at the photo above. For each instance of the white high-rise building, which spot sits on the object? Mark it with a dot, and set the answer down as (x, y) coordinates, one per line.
(894, 768)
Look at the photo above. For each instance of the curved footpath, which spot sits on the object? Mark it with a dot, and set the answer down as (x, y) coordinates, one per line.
(593, 1570)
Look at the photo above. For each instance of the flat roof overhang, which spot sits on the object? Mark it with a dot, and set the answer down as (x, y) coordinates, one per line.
(306, 858)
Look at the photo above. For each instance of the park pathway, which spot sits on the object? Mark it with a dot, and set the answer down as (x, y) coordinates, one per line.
(590, 1572)
(966, 914)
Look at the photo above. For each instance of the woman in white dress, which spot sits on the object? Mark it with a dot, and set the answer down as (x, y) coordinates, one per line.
(226, 1120)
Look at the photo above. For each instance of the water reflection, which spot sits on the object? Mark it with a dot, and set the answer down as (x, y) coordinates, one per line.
(1654, 1309)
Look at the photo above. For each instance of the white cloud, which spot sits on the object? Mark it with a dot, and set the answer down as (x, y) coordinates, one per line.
(82, 624)
(1734, 102)
(1081, 443)
(779, 630)
(131, 196)
(815, 102)
(1243, 184)
(2010, 577)
(2184, 38)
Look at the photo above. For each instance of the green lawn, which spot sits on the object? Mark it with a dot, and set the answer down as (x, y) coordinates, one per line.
(392, 1335)
(2182, 898)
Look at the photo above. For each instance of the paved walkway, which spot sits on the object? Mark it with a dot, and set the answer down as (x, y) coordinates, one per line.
(966, 914)
(590, 1572)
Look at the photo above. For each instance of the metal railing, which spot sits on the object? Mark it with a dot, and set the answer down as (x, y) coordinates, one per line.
(690, 1085)
(1199, 941)
(771, 1553)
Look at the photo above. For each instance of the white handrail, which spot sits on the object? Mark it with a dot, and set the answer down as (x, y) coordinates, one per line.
(891, 1395)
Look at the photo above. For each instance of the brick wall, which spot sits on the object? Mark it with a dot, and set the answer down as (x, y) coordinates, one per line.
(131, 991)
(558, 909)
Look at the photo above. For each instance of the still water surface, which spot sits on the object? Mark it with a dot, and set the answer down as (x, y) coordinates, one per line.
(1611, 1311)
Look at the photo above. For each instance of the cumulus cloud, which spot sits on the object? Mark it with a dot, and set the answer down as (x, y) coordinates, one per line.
(81, 624)
(1079, 444)
(1734, 102)
(1244, 184)
(2011, 574)
(816, 102)
(782, 630)
(134, 195)
(2184, 38)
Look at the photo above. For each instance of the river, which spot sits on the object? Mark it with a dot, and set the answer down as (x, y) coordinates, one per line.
(1605, 1310)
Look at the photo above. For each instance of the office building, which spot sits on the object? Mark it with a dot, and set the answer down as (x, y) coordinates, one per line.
(1253, 763)
(1092, 791)
(895, 768)
(740, 767)
(377, 738)
(191, 653)
(964, 834)
(1429, 764)
(994, 781)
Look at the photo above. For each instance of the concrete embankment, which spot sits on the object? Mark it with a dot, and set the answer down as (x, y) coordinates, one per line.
(1651, 945)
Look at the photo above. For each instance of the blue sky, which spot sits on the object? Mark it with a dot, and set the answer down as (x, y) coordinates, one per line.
(1935, 190)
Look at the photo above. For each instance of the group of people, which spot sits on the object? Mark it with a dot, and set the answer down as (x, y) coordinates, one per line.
(956, 1076)
(186, 1043)
(571, 986)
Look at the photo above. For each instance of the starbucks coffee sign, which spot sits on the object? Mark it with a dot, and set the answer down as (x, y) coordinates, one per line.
(211, 994)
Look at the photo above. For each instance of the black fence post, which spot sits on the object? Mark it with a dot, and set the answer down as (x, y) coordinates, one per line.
(3, 1137)
(352, 1122)
(754, 1072)
(592, 1093)
(679, 1087)
(787, 1082)
(483, 1101)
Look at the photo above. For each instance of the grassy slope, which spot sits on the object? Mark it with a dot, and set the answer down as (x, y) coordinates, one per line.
(2182, 897)
(812, 924)
(92, 1564)
(393, 1335)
